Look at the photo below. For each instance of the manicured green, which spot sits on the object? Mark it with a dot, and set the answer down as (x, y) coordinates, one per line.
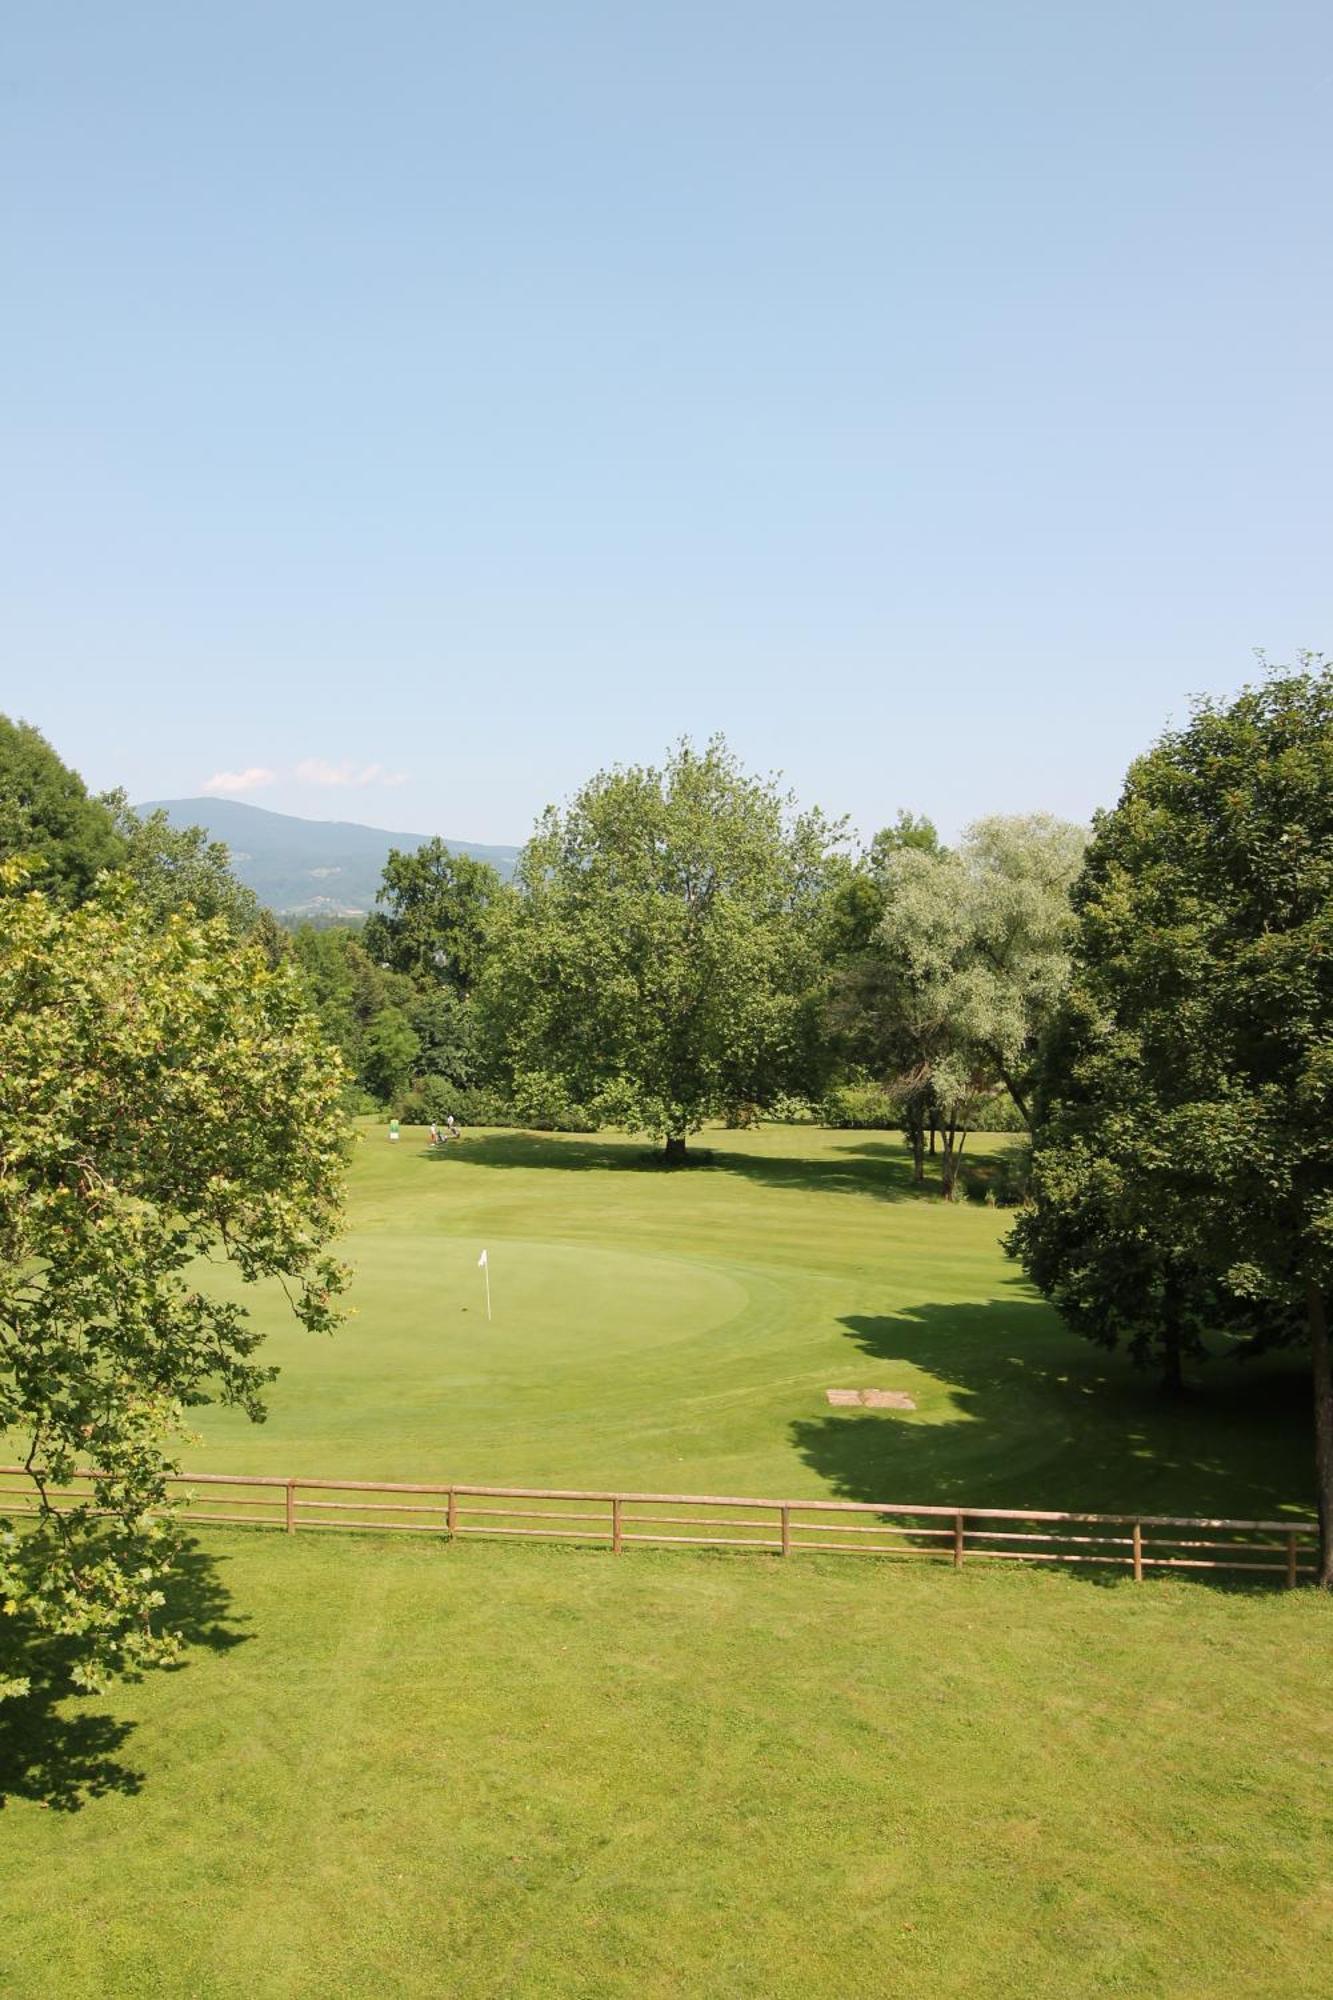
(678, 1331)
(515, 1772)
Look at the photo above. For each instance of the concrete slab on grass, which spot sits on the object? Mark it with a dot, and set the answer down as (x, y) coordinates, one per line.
(871, 1399)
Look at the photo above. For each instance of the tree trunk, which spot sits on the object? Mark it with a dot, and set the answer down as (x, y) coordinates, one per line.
(916, 1134)
(1173, 1375)
(932, 1135)
(675, 1149)
(951, 1163)
(1323, 1428)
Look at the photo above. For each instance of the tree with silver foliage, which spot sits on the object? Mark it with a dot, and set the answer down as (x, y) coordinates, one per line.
(968, 958)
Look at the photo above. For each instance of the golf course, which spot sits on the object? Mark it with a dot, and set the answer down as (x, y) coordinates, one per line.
(394, 1765)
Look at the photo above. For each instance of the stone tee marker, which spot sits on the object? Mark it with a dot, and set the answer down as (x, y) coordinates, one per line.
(871, 1399)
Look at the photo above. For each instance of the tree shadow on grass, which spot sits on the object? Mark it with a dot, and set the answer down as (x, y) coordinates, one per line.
(882, 1168)
(1041, 1419)
(59, 1750)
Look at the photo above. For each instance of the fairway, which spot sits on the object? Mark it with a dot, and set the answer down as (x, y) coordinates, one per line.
(680, 1330)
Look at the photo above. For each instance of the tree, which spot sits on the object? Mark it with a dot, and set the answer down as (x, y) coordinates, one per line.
(854, 904)
(1199, 1028)
(165, 1099)
(180, 868)
(1100, 1238)
(989, 925)
(389, 1054)
(969, 955)
(435, 920)
(657, 961)
(47, 819)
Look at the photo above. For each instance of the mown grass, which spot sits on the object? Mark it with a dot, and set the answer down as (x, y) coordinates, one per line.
(679, 1331)
(400, 1768)
(495, 1771)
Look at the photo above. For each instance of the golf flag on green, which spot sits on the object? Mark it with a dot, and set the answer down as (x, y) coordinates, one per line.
(484, 1264)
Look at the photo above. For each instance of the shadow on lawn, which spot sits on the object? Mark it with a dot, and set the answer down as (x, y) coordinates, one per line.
(1048, 1422)
(881, 1167)
(58, 1751)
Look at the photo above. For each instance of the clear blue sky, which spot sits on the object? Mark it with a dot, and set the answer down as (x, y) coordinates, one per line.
(930, 396)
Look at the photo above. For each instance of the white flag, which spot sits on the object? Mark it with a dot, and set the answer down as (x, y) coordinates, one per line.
(481, 1262)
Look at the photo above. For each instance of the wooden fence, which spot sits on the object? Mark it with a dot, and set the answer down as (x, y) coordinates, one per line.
(1137, 1543)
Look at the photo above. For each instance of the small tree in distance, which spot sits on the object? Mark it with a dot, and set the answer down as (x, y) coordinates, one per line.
(657, 962)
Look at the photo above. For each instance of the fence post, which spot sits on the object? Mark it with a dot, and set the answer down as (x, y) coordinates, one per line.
(786, 1530)
(1291, 1560)
(451, 1514)
(958, 1539)
(616, 1535)
(291, 1506)
(1138, 1552)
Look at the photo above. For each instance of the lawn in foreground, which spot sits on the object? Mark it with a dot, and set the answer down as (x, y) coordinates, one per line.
(402, 1768)
(679, 1331)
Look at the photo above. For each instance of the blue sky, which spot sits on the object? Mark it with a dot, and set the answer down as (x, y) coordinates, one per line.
(425, 405)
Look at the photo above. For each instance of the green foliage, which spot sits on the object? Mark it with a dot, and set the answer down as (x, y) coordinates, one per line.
(1004, 1180)
(389, 1052)
(977, 939)
(47, 819)
(969, 957)
(787, 1108)
(855, 894)
(861, 1106)
(1184, 1166)
(657, 965)
(437, 907)
(910, 830)
(164, 1097)
(431, 1099)
(176, 868)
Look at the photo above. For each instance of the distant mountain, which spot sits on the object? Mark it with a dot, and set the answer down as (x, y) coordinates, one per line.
(308, 867)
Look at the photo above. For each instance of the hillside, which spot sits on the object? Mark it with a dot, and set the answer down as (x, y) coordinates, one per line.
(308, 867)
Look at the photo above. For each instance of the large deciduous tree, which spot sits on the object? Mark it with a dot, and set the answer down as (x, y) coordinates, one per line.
(1184, 1152)
(436, 906)
(657, 963)
(165, 1099)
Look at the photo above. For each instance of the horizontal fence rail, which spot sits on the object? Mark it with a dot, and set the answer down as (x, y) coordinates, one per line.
(1138, 1543)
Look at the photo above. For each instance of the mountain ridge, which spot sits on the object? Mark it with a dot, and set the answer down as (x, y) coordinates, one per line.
(309, 867)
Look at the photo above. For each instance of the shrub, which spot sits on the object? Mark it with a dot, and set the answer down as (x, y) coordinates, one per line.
(1000, 1114)
(743, 1117)
(431, 1099)
(358, 1102)
(788, 1110)
(1002, 1182)
(861, 1106)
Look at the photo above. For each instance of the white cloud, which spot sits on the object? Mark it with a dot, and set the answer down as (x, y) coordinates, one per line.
(240, 781)
(318, 771)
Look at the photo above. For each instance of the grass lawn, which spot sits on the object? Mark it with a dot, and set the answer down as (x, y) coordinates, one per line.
(400, 1768)
(678, 1331)
(507, 1771)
